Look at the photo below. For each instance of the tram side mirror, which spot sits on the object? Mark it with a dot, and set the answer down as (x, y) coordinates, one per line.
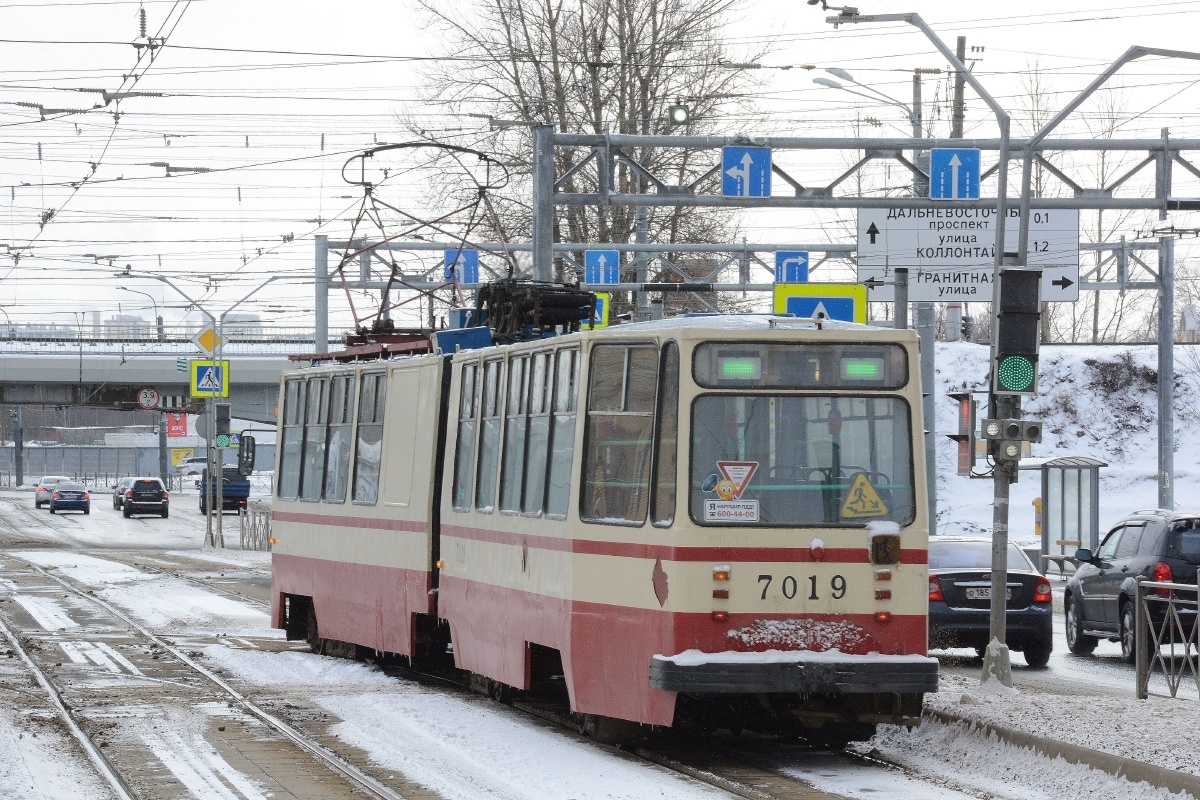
(1083, 556)
(246, 455)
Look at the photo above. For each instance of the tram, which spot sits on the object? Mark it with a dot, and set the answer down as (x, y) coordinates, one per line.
(714, 517)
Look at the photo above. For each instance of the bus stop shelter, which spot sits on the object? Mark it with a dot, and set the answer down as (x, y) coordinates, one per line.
(1070, 506)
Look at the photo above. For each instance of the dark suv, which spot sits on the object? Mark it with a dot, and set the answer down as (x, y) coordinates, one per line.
(1100, 598)
(145, 496)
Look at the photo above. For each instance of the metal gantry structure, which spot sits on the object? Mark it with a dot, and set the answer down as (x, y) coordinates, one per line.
(588, 163)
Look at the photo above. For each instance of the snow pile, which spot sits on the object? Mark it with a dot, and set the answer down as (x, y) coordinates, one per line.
(1100, 402)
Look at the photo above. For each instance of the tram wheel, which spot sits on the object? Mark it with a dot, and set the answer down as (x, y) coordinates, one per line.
(315, 642)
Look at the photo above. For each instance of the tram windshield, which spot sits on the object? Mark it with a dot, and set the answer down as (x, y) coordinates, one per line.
(787, 460)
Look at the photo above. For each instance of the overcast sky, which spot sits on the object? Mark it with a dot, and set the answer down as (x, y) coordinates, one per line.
(275, 96)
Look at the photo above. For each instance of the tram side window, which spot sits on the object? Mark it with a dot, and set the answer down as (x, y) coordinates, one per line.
(541, 385)
(489, 437)
(337, 460)
(312, 476)
(468, 427)
(666, 440)
(369, 452)
(514, 434)
(619, 425)
(562, 432)
(288, 486)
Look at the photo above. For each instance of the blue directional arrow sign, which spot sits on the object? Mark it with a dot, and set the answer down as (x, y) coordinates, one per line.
(601, 266)
(953, 173)
(791, 266)
(746, 171)
(462, 265)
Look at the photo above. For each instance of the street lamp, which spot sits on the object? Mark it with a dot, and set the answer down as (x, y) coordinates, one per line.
(996, 661)
(158, 320)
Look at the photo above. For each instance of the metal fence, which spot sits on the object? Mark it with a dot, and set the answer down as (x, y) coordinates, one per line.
(103, 463)
(255, 527)
(1165, 634)
(97, 465)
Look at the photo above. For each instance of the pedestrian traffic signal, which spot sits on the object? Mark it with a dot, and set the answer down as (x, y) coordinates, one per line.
(1007, 436)
(966, 431)
(1018, 331)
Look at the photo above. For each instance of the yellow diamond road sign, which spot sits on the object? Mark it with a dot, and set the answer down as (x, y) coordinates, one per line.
(207, 340)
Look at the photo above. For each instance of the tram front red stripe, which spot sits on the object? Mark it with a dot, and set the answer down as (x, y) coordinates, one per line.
(840, 555)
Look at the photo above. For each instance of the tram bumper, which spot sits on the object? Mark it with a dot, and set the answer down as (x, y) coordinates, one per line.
(775, 671)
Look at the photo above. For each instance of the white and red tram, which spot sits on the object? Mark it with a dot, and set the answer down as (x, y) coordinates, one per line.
(714, 508)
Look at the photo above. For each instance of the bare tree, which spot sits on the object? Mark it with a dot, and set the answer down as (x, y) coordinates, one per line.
(592, 66)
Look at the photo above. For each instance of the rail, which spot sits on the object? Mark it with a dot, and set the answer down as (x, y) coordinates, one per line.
(255, 527)
(1166, 613)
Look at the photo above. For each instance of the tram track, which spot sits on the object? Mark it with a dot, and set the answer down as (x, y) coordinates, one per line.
(358, 782)
(732, 770)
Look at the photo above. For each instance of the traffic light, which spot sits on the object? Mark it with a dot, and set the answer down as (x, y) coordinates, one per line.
(222, 419)
(1018, 330)
(1008, 434)
(246, 455)
(966, 431)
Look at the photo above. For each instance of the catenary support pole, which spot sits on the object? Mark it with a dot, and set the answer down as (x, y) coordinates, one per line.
(19, 448)
(1166, 373)
(164, 458)
(543, 203)
(926, 330)
(321, 306)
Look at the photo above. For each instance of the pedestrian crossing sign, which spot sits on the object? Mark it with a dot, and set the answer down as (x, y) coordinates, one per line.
(210, 378)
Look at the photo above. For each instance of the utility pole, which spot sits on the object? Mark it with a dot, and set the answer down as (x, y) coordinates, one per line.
(19, 445)
(959, 112)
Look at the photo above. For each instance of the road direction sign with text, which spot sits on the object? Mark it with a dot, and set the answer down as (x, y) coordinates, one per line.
(844, 301)
(953, 173)
(950, 251)
(746, 171)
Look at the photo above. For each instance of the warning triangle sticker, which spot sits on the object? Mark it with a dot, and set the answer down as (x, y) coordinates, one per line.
(863, 500)
(738, 473)
(208, 380)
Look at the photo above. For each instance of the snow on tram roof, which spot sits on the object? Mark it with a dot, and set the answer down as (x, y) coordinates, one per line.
(750, 322)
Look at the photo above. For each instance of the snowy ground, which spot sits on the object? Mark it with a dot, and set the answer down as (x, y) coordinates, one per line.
(470, 748)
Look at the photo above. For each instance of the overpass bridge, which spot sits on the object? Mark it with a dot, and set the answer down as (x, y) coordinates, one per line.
(108, 373)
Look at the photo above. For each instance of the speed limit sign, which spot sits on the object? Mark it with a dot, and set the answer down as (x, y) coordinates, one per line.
(148, 398)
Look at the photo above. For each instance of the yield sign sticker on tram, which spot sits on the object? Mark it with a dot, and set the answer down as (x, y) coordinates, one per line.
(737, 473)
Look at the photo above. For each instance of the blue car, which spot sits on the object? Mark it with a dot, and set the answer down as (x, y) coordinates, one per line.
(70, 497)
(960, 592)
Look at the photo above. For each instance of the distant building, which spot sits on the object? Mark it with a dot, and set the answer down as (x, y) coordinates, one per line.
(247, 326)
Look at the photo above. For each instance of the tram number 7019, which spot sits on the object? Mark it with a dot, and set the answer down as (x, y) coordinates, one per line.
(791, 587)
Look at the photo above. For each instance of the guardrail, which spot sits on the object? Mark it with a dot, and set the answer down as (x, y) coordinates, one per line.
(255, 527)
(1175, 605)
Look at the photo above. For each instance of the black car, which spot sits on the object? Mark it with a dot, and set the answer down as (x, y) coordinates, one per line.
(1100, 598)
(960, 591)
(119, 489)
(145, 496)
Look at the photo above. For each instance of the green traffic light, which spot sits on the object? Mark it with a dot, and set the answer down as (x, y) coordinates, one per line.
(1015, 373)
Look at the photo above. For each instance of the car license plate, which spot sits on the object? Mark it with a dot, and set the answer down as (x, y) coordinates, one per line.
(985, 593)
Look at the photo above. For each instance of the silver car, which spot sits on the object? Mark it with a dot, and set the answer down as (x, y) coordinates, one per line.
(45, 489)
